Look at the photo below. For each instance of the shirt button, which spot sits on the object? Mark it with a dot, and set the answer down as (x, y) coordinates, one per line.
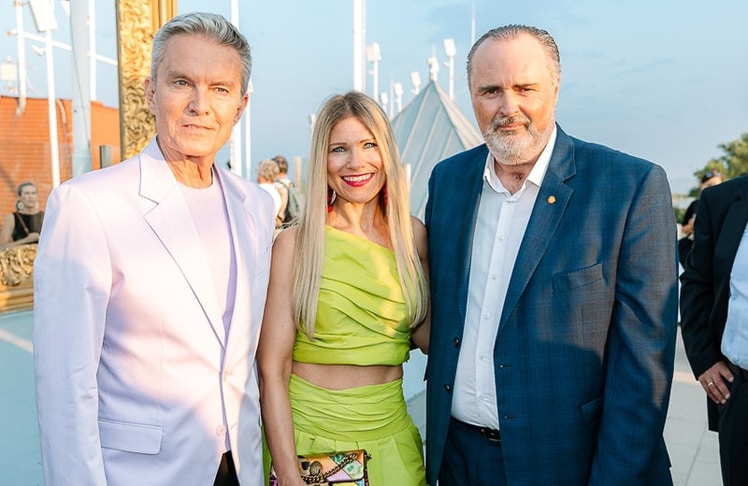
(501, 237)
(221, 430)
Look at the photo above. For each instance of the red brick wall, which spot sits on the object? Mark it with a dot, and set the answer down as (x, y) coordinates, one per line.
(24, 139)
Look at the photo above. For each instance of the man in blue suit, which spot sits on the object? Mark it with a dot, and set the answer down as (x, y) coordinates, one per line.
(554, 295)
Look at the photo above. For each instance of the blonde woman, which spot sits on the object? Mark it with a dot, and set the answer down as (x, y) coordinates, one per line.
(348, 294)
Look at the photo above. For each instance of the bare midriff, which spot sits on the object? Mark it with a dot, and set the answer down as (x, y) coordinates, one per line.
(342, 377)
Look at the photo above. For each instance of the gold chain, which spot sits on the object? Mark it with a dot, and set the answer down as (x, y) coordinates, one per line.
(318, 478)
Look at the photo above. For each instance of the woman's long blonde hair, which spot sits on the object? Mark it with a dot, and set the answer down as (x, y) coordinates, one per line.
(310, 236)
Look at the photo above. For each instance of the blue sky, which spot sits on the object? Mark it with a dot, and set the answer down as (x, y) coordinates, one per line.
(666, 80)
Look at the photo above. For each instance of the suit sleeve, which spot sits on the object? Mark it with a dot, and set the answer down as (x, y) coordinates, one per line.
(641, 342)
(698, 296)
(72, 281)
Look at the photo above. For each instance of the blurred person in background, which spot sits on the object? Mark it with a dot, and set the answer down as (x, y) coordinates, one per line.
(23, 226)
(267, 171)
(709, 179)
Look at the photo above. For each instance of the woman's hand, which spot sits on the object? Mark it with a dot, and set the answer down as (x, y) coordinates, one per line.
(31, 238)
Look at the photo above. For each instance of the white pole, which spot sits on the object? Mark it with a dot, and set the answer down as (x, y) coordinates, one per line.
(21, 44)
(81, 92)
(415, 79)
(248, 131)
(237, 165)
(392, 99)
(398, 89)
(91, 46)
(297, 171)
(451, 50)
(384, 98)
(52, 107)
(472, 26)
(375, 76)
(359, 45)
(433, 68)
(374, 55)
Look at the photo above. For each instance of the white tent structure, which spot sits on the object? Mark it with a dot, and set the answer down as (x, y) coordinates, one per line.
(430, 128)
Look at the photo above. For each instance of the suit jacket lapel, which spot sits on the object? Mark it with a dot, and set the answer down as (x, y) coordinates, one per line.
(550, 206)
(469, 185)
(167, 220)
(244, 241)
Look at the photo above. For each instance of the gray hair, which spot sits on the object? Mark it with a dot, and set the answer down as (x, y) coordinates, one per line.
(211, 25)
(268, 170)
(513, 31)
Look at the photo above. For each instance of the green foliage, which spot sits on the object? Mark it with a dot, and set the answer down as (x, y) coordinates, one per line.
(679, 213)
(733, 163)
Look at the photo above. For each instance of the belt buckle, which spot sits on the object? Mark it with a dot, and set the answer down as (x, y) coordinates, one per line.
(490, 435)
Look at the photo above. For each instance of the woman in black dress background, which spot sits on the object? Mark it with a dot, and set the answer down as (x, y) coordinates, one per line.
(22, 226)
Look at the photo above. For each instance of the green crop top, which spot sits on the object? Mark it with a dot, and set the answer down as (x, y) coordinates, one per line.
(361, 310)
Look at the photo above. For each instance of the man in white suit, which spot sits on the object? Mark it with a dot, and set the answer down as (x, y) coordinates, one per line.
(150, 283)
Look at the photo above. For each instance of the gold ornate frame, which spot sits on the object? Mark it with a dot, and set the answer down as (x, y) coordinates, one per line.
(137, 22)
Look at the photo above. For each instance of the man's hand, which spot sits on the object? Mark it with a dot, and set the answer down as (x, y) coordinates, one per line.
(713, 382)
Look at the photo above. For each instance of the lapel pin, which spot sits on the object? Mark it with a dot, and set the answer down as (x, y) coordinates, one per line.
(551, 199)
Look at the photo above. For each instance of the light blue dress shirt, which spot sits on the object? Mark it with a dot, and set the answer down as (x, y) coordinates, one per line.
(735, 337)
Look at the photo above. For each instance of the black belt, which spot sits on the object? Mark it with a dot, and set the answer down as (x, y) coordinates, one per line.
(488, 433)
(738, 371)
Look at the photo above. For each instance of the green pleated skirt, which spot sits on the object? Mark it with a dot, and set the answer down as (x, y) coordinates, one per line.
(371, 417)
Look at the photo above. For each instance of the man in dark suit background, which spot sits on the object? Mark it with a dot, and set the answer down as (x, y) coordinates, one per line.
(554, 296)
(714, 318)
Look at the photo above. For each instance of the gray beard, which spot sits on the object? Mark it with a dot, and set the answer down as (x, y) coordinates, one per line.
(511, 150)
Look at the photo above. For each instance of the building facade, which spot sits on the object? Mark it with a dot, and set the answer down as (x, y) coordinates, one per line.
(24, 138)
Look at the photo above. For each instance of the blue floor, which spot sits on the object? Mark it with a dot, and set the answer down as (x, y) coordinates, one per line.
(20, 459)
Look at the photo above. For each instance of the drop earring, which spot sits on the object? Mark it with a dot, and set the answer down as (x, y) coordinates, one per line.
(331, 196)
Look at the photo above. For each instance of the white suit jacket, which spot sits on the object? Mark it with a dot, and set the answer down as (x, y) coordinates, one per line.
(134, 370)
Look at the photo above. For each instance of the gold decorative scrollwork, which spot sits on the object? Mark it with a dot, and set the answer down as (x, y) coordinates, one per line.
(17, 265)
(137, 22)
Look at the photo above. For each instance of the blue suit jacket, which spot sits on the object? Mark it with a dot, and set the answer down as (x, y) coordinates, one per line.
(584, 354)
